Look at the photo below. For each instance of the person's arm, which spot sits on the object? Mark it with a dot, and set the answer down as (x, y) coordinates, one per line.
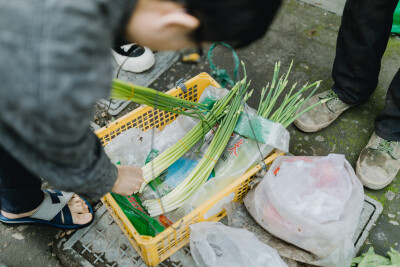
(58, 66)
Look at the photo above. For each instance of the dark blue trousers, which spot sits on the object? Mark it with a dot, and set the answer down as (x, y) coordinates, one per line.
(361, 43)
(20, 190)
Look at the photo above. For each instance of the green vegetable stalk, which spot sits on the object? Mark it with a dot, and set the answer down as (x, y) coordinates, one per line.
(150, 97)
(202, 171)
(153, 169)
(292, 102)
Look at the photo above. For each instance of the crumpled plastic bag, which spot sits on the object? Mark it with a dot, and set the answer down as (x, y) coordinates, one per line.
(213, 244)
(239, 155)
(263, 130)
(311, 202)
(134, 145)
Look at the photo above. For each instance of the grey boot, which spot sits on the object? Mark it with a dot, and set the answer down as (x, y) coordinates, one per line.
(322, 115)
(378, 163)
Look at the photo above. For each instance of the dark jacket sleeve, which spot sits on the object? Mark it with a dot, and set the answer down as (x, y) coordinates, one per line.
(58, 65)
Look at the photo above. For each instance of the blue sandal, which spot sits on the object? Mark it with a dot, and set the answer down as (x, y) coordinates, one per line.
(51, 212)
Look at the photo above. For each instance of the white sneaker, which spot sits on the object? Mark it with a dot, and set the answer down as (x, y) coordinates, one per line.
(134, 58)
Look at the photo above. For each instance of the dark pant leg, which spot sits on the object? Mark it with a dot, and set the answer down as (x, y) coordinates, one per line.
(20, 190)
(119, 41)
(387, 123)
(361, 42)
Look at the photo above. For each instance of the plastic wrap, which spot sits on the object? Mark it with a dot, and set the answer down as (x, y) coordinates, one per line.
(132, 146)
(214, 244)
(311, 202)
(263, 130)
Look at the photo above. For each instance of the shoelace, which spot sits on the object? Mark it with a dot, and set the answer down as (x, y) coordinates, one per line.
(333, 99)
(330, 94)
(386, 146)
(333, 95)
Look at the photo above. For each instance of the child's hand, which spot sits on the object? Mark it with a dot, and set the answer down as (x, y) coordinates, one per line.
(128, 181)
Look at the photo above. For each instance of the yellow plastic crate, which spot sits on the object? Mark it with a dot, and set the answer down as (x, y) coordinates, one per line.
(154, 250)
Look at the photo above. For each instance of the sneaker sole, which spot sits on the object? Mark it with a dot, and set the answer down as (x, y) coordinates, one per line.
(308, 129)
(316, 128)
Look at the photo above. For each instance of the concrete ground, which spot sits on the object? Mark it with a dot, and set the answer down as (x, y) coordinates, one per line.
(307, 35)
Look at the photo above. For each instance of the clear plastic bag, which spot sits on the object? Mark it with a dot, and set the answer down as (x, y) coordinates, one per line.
(242, 153)
(263, 130)
(211, 94)
(311, 202)
(171, 178)
(130, 147)
(134, 145)
(239, 155)
(239, 217)
(214, 244)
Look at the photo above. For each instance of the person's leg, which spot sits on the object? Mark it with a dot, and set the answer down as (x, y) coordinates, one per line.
(387, 123)
(361, 42)
(356, 71)
(21, 194)
(20, 190)
(379, 162)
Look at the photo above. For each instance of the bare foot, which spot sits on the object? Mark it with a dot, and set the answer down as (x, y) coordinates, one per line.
(79, 211)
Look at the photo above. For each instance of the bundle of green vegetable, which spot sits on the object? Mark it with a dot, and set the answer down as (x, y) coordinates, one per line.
(202, 171)
(153, 169)
(150, 97)
(285, 114)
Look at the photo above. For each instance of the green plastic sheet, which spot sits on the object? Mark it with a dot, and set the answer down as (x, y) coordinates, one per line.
(396, 20)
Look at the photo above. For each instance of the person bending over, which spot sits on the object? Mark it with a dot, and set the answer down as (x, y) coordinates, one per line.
(56, 64)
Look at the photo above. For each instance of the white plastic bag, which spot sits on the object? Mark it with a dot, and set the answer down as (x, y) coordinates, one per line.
(214, 244)
(311, 202)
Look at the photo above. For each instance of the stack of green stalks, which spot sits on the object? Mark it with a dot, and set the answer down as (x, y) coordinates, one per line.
(289, 110)
(225, 112)
(154, 168)
(150, 97)
(203, 169)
